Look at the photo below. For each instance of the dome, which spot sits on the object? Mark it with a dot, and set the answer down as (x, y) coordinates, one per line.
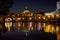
(26, 11)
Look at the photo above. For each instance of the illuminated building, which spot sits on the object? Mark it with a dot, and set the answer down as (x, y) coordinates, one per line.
(31, 22)
(26, 10)
(57, 15)
(8, 23)
(28, 21)
(58, 5)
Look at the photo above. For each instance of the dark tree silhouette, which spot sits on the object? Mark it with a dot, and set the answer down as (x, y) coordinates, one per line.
(4, 6)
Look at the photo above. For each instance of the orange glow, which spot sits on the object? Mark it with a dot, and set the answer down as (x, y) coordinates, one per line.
(52, 16)
(39, 17)
(57, 15)
(18, 19)
(44, 24)
(48, 16)
(57, 28)
(47, 29)
(30, 18)
(52, 29)
(44, 17)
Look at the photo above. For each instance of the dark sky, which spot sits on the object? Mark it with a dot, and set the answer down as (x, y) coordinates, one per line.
(34, 5)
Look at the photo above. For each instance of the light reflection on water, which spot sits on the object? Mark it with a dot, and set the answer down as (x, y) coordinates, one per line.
(47, 28)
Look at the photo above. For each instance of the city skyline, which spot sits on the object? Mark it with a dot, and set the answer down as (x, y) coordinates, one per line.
(34, 5)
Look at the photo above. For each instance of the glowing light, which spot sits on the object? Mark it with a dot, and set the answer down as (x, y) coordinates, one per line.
(31, 28)
(19, 24)
(47, 29)
(8, 25)
(8, 19)
(39, 25)
(13, 18)
(39, 17)
(8, 22)
(30, 24)
(44, 17)
(18, 14)
(31, 14)
(25, 11)
(52, 16)
(48, 16)
(23, 18)
(52, 29)
(30, 18)
(57, 28)
(9, 29)
(18, 19)
(57, 15)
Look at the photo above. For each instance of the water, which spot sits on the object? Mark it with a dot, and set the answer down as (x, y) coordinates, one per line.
(22, 35)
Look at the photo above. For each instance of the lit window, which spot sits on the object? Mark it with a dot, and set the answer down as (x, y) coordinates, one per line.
(44, 24)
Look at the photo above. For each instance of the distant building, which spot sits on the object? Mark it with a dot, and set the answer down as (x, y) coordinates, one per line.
(58, 7)
(56, 11)
(26, 10)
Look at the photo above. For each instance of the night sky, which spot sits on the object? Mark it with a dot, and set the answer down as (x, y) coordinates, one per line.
(34, 5)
